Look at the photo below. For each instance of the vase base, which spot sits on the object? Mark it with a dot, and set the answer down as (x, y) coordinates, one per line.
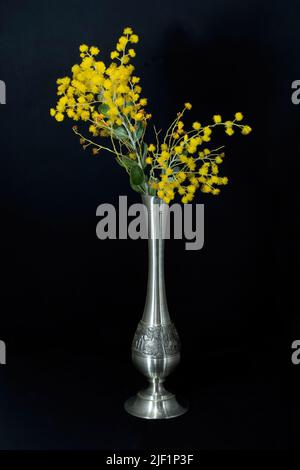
(157, 407)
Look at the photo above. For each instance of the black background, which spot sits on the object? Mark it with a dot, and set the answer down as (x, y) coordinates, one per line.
(70, 302)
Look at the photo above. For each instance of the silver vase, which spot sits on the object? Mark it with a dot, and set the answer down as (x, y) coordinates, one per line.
(156, 345)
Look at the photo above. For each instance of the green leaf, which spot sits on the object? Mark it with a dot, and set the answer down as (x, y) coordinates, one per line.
(143, 185)
(136, 188)
(136, 175)
(151, 191)
(144, 155)
(145, 148)
(128, 161)
(139, 132)
(103, 108)
(120, 133)
(119, 163)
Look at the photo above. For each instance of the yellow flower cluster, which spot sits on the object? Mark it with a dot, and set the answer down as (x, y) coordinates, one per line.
(103, 96)
(183, 163)
(108, 99)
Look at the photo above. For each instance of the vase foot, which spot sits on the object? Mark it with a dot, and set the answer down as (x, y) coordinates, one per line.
(146, 406)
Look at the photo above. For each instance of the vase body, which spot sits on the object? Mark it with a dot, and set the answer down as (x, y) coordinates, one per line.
(156, 345)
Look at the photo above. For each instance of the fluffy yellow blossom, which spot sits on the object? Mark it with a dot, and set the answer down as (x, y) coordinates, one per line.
(59, 117)
(94, 50)
(138, 116)
(93, 130)
(239, 116)
(203, 170)
(217, 118)
(196, 126)
(181, 176)
(191, 164)
(191, 188)
(206, 188)
(83, 48)
(149, 160)
(127, 30)
(123, 40)
(229, 131)
(85, 115)
(178, 149)
(246, 130)
(134, 38)
(188, 105)
(194, 181)
(151, 148)
(131, 52)
(165, 155)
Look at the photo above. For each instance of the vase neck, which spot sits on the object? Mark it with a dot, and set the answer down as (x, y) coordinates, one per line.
(156, 308)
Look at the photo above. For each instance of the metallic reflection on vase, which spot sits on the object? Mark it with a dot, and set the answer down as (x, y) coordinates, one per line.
(156, 345)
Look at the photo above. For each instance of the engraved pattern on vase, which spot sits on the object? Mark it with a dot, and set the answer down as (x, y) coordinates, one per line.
(156, 341)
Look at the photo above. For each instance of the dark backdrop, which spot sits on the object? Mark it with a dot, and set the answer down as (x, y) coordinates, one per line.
(70, 302)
